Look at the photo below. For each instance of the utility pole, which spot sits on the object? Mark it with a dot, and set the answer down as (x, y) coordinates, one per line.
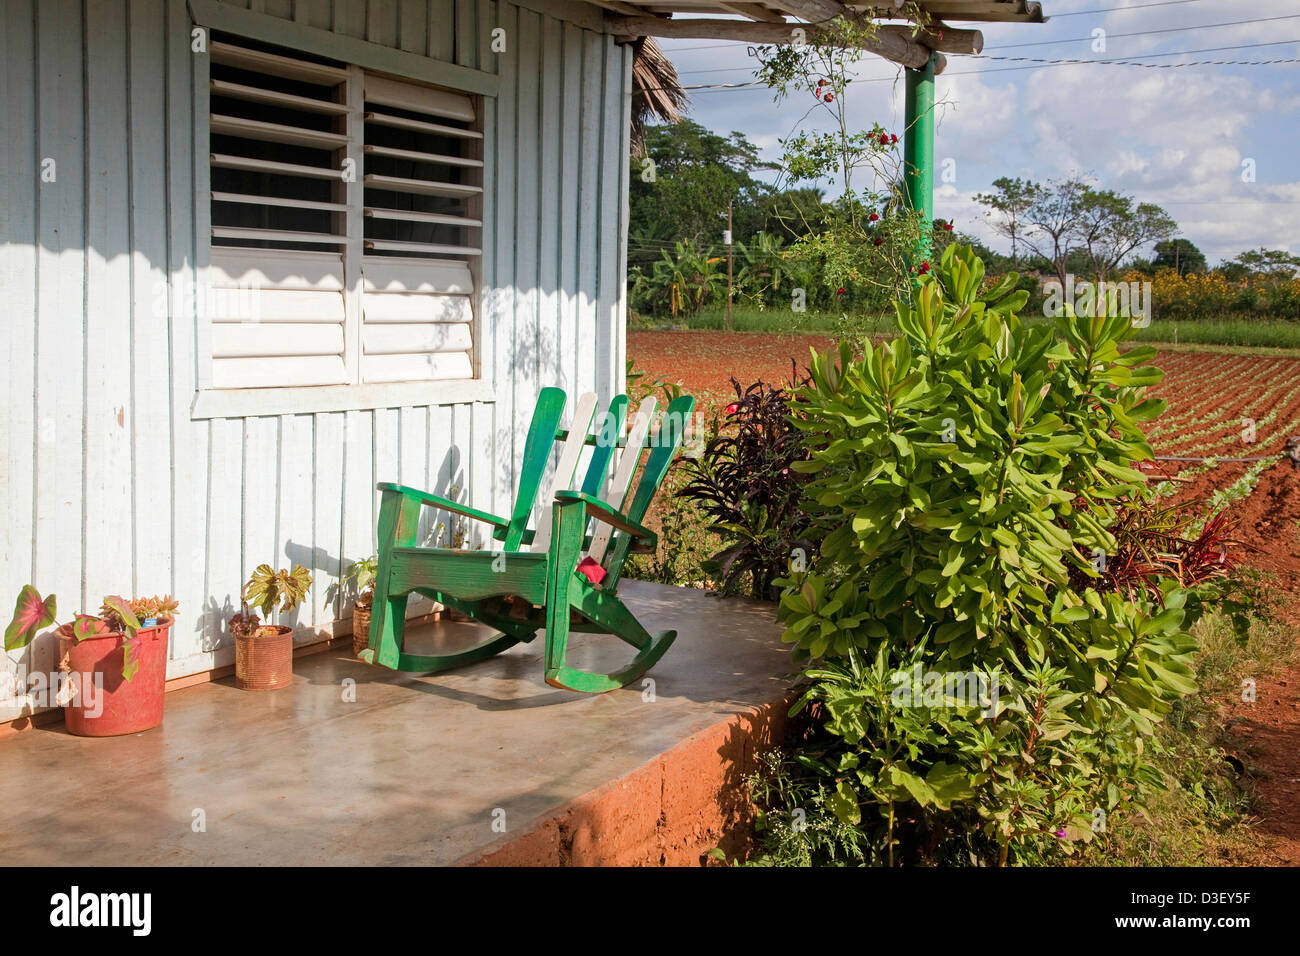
(727, 240)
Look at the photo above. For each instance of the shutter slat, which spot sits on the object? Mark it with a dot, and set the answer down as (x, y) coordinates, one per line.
(277, 305)
(261, 62)
(433, 248)
(418, 99)
(272, 340)
(226, 161)
(394, 274)
(279, 201)
(429, 366)
(421, 187)
(253, 94)
(276, 269)
(276, 235)
(401, 122)
(276, 132)
(411, 215)
(278, 372)
(436, 159)
(413, 338)
(397, 307)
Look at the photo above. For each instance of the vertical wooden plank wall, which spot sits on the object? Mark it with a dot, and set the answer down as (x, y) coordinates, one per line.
(19, 211)
(106, 484)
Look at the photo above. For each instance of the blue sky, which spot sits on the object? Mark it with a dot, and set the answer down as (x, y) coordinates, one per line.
(1176, 137)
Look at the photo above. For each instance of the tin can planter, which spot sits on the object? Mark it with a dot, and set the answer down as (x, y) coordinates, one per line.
(360, 627)
(264, 658)
(112, 705)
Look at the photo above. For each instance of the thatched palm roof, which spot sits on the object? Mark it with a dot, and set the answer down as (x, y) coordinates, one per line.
(656, 91)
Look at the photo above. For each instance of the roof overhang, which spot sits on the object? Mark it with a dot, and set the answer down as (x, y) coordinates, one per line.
(771, 21)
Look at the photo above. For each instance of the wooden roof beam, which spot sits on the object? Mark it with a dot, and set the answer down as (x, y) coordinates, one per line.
(893, 42)
(755, 11)
(616, 6)
(941, 37)
(997, 11)
(814, 11)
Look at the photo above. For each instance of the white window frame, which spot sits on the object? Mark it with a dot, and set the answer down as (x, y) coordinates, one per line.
(359, 55)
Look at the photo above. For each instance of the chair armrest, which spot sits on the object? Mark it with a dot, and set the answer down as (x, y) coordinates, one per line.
(436, 501)
(603, 512)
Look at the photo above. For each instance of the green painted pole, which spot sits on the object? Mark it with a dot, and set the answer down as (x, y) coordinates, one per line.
(918, 149)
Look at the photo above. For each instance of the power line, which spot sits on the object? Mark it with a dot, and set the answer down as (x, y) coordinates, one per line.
(1041, 63)
(1116, 61)
(1112, 36)
(1146, 33)
(1139, 6)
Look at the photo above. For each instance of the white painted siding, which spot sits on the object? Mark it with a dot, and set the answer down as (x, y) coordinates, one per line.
(106, 483)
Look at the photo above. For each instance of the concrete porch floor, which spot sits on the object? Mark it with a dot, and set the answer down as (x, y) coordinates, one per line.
(416, 771)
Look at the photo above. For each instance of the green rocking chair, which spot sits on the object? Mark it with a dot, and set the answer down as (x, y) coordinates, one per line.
(567, 579)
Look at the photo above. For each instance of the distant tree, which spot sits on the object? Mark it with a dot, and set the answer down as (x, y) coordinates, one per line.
(1010, 200)
(1052, 221)
(1273, 264)
(687, 177)
(1178, 254)
(1111, 226)
(1071, 226)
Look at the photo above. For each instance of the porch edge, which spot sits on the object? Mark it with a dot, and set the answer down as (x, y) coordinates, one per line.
(669, 812)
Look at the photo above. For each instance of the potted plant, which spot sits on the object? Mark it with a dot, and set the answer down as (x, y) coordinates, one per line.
(362, 576)
(264, 652)
(114, 664)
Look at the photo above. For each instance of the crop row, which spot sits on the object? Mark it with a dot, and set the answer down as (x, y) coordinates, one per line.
(1233, 423)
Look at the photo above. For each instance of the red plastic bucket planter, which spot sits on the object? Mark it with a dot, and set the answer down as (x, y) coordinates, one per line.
(122, 706)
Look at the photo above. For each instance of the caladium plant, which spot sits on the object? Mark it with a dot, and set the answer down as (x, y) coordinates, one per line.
(33, 613)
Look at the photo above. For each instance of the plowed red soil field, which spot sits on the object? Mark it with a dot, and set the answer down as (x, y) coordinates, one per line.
(1228, 406)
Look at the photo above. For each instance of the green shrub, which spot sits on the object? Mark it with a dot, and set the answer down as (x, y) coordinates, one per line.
(743, 482)
(982, 703)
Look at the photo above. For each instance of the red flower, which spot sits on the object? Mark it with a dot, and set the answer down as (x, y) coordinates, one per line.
(884, 139)
(893, 137)
(877, 240)
(947, 227)
(731, 409)
(874, 216)
(829, 97)
(925, 267)
(840, 290)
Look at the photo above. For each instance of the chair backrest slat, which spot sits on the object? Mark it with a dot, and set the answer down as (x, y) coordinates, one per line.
(623, 474)
(537, 452)
(672, 430)
(566, 467)
(609, 428)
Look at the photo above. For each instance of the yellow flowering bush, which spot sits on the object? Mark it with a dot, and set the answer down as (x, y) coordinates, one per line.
(1212, 295)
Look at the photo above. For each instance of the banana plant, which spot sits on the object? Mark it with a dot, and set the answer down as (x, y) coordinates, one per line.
(688, 278)
(762, 267)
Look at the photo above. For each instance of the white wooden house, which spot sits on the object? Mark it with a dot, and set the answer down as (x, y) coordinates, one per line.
(259, 255)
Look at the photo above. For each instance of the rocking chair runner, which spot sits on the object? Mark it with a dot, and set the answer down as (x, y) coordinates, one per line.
(559, 582)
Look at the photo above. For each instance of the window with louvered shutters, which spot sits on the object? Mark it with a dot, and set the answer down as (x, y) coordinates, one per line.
(333, 265)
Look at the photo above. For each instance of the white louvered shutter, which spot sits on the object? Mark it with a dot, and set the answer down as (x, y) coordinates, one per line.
(421, 233)
(276, 304)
